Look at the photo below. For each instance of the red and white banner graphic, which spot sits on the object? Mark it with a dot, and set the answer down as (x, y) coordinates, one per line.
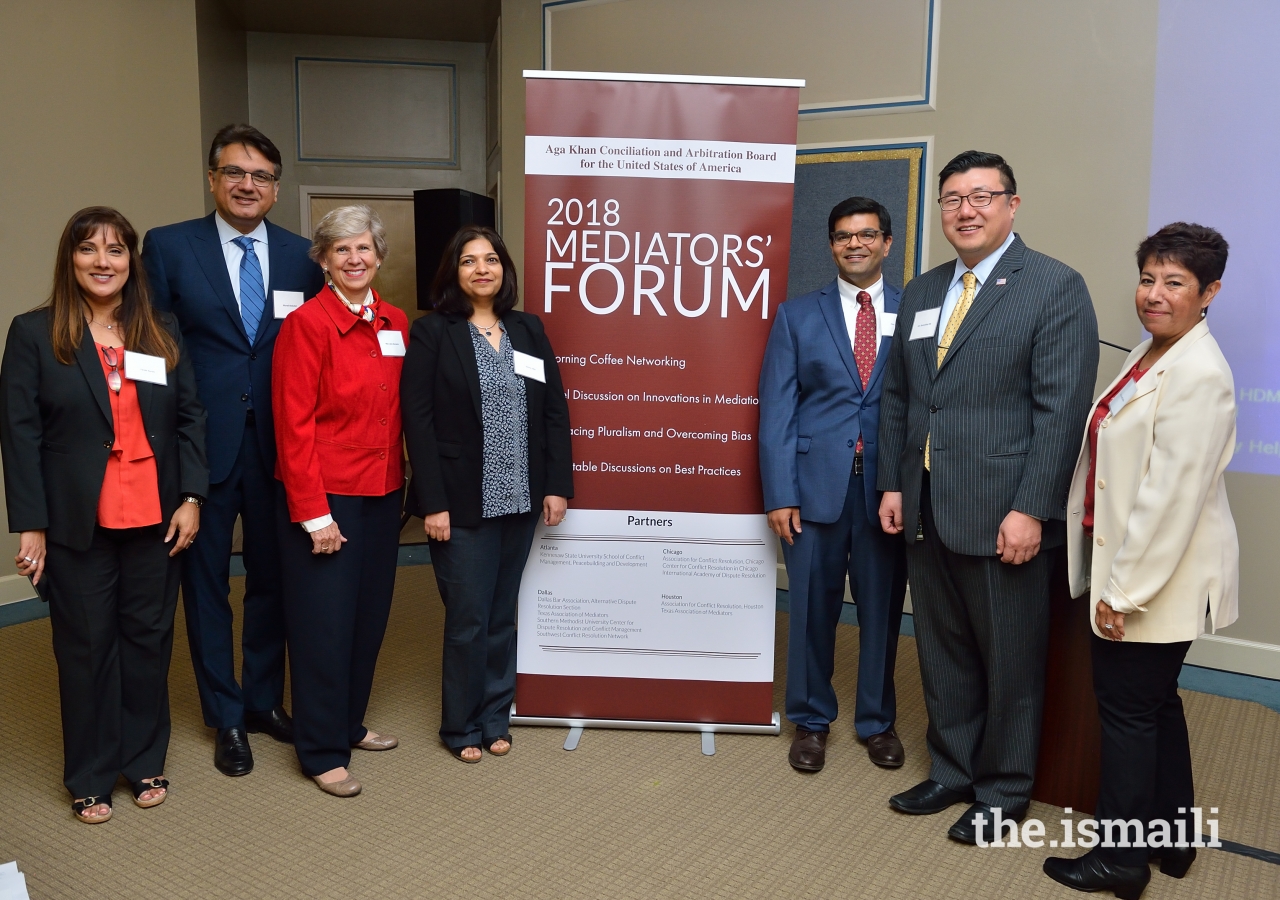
(657, 234)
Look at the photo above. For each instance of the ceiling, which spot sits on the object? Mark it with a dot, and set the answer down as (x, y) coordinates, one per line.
(435, 20)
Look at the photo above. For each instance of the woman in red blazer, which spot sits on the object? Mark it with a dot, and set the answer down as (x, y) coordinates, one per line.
(336, 395)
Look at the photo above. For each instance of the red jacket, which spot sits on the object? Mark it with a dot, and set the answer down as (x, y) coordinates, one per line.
(336, 399)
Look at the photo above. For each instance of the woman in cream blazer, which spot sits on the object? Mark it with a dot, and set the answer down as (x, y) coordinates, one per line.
(1151, 539)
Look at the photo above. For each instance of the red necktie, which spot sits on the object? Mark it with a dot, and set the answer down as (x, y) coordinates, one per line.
(864, 342)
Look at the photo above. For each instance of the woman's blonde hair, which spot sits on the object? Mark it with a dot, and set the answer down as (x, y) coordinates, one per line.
(347, 222)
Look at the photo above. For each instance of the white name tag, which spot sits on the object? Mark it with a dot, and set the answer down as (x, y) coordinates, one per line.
(141, 367)
(926, 323)
(286, 302)
(530, 366)
(1124, 396)
(391, 342)
(888, 324)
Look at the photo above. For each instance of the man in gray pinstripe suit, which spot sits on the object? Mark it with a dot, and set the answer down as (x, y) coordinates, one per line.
(986, 390)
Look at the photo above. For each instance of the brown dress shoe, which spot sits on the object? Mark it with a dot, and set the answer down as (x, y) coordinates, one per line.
(808, 751)
(886, 750)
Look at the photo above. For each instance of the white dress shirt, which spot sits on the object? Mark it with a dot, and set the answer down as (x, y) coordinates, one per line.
(232, 253)
(849, 303)
(982, 271)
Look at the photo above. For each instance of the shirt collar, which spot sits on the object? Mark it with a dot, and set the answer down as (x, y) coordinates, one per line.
(849, 292)
(227, 233)
(983, 269)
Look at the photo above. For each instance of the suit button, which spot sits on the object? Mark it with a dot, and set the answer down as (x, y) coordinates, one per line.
(382, 421)
(1101, 484)
(253, 356)
(933, 409)
(107, 444)
(382, 455)
(1101, 541)
(1105, 421)
(382, 386)
(373, 354)
(244, 398)
(850, 443)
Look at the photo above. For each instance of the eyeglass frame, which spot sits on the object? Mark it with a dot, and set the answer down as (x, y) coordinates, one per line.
(874, 232)
(224, 171)
(963, 197)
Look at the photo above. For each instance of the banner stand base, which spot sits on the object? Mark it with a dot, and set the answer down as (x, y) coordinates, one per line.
(706, 728)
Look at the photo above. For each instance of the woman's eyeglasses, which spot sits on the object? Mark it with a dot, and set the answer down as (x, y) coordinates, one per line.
(113, 360)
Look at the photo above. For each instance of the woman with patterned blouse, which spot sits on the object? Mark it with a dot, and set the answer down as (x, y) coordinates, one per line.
(487, 427)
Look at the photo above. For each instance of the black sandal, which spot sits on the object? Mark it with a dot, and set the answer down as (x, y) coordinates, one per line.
(501, 737)
(150, 784)
(457, 752)
(78, 807)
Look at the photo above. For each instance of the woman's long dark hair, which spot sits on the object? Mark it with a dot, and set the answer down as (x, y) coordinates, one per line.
(139, 325)
(447, 295)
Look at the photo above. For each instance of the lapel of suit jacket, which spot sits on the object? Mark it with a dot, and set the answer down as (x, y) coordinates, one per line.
(1148, 382)
(207, 248)
(992, 293)
(87, 357)
(833, 311)
(892, 296)
(460, 334)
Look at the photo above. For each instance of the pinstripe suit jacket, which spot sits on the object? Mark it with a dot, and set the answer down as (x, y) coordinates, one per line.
(1005, 409)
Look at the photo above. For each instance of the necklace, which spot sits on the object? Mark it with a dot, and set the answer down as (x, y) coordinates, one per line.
(103, 324)
(488, 329)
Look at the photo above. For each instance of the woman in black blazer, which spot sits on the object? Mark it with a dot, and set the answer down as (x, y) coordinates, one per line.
(487, 427)
(104, 474)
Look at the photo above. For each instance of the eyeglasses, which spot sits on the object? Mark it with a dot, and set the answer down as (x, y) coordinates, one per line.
(113, 360)
(977, 200)
(866, 237)
(235, 175)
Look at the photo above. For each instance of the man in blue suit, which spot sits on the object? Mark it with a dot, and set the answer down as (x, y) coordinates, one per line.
(230, 278)
(819, 422)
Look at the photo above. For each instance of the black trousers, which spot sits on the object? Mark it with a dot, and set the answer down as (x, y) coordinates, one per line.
(111, 608)
(1146, 752)
(478, 571)
(248, 493)
(336, 608)
(982, 628)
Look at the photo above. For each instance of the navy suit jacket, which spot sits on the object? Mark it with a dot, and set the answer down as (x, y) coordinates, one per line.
(188, 275)
(812, 408)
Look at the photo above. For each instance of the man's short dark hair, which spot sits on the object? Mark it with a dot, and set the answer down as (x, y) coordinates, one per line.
(976, 159)
(1200, 250)
(247, 135)
(855, 205)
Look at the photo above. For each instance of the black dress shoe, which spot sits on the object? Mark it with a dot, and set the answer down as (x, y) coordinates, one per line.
(231, 753)
(1174, 861)
(274, 722)
(929, 797)
(966, 828)
(886, 750)
(808, 751)
(1092, 873)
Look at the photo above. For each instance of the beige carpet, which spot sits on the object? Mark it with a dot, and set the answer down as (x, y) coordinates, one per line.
(629, 814)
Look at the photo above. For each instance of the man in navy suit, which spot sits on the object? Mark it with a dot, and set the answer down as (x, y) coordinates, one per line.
(819, 424)
(230, 278)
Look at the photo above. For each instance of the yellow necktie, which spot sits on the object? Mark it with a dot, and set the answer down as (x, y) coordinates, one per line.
(970, 282)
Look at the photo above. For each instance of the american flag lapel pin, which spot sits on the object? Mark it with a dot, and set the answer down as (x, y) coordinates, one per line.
(999, 281)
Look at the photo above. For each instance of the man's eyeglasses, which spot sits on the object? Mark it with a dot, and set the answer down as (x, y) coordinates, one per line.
(866, 237)
(113, 360)
(977, 200)
(235, 175)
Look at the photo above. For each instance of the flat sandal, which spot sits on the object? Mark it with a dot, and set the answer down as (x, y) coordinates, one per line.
(159, 783)
(78, 807)
(501, 737)
(457, 752)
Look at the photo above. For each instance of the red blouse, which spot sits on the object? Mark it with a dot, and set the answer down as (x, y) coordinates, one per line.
(130, 495)
(1100, 413)
(336, 401)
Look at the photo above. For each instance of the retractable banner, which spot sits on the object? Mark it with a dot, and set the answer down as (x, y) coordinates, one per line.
(657, 223)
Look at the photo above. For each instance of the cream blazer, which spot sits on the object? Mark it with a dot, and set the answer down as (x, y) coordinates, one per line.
(1164, 544)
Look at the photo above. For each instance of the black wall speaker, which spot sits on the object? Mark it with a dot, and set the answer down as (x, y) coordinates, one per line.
(437, 216)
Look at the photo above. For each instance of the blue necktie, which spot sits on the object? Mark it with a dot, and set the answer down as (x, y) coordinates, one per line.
(253, 296)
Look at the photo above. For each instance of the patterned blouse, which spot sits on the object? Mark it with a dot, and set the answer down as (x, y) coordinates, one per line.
(505, 418)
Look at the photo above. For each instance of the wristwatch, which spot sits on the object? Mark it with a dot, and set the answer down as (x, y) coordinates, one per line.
(193, 498)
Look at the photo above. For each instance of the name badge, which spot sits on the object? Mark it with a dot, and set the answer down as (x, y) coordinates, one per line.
(888, 324)
(926, 323)
(530, 366)
(286, 302)
(141, 367)
(1124, 396)
(391, 342)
